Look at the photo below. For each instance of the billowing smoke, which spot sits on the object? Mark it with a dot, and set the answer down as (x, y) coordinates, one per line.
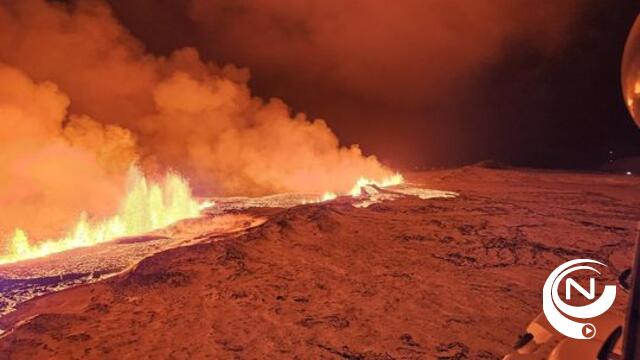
(422, 49)
(49, 173)
(404, 78)
(80, 99)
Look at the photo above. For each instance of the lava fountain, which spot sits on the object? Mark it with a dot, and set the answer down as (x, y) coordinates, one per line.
(395, 179)
(147, 206)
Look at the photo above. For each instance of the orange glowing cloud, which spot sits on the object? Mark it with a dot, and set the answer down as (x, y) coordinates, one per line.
(82, 101)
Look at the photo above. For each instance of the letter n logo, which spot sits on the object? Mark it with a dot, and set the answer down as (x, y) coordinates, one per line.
(591, 294)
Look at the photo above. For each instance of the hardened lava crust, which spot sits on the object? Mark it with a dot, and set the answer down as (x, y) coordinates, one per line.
(446, 278)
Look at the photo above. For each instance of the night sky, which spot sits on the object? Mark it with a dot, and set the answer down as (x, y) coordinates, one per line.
(426, 84)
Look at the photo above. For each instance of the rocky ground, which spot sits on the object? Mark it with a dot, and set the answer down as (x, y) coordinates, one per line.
(445, 278)
(25, 280)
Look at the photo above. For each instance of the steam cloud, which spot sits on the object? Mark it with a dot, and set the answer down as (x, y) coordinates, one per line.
(80, 99)
(399, 77)
(50, 173)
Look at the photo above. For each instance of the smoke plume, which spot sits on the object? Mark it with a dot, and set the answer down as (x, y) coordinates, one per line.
(81, 99)
(50, 173)
(405, 78)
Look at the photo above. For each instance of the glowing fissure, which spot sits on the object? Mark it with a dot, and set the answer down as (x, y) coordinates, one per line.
(147, 206)
(361, 183)
(356, 190)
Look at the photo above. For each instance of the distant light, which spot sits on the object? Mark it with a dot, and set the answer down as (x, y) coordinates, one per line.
(628, 173)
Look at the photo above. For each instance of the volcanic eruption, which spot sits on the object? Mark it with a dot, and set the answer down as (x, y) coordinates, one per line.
(162, 195)
(70, 137)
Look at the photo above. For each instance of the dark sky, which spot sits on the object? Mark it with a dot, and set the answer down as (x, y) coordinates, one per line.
(425, 83)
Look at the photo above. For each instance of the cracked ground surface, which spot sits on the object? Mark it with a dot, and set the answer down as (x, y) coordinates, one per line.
(454, 278)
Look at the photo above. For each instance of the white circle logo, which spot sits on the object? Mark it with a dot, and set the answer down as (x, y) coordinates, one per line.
(558, 312)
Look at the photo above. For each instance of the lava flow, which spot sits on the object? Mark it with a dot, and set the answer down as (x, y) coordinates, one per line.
(356, 190)
(146, 207)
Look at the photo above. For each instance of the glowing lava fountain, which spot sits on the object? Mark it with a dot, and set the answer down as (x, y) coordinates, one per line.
(395, 179)
(147, 206)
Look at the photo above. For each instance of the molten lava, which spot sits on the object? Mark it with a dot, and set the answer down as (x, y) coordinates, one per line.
(356, 190)
(146, 207)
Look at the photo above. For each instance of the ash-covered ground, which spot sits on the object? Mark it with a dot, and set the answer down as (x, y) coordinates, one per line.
(402, 277)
